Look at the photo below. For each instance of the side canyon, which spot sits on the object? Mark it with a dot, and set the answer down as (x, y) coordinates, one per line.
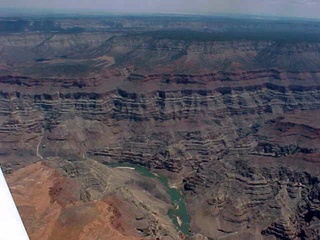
(226, 109)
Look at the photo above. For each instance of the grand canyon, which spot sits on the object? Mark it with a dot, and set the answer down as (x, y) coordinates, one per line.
(221, 113)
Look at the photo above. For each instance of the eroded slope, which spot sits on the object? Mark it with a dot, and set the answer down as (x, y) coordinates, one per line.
(231, 123)
(89, 201)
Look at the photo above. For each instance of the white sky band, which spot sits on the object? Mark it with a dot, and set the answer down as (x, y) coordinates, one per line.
(294, 8)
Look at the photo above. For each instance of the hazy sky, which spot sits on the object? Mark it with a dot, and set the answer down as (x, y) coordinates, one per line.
(300, 8)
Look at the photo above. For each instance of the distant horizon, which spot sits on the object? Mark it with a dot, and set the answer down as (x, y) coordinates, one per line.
(96, 12)
(274, 8)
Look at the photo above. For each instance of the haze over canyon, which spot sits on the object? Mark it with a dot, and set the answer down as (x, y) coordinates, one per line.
(218, 115)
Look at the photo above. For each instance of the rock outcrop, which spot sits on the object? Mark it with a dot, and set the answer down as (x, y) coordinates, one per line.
(232, 123)
(76, 204)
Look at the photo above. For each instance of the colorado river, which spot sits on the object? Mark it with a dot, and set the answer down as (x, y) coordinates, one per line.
(178, 213)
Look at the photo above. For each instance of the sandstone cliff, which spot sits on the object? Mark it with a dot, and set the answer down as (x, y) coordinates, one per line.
(231, 123)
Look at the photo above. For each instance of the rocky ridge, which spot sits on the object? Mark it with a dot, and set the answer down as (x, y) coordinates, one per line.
(230, 123)
(162, 130)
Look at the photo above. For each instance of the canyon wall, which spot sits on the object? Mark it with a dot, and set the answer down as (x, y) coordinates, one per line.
(232, 123)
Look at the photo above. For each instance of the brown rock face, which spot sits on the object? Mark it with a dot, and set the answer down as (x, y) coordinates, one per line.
(51, 208)
(231, 121)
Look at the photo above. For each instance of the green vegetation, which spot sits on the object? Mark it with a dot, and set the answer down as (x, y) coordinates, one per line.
(192, 28)
(69, 69)
(293, 35)
(22, 25)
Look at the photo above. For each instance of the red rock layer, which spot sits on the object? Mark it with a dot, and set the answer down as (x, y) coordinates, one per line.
(51, 209)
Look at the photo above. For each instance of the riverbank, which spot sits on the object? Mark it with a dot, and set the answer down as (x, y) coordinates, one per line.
(178, 213)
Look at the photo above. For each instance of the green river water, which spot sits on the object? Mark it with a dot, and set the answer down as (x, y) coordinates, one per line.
(177, 199)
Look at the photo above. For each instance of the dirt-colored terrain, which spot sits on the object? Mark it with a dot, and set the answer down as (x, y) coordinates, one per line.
(226, 109)
(51, 209)
(55, 206)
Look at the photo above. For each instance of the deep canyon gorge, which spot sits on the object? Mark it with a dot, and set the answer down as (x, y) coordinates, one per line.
(226, 109)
